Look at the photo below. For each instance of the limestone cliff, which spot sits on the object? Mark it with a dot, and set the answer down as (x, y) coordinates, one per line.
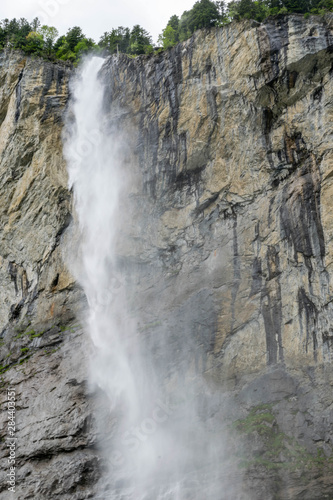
(228, 238)
(37, 294)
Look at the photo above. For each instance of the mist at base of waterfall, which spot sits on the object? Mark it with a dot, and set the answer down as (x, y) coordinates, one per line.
(160, 441)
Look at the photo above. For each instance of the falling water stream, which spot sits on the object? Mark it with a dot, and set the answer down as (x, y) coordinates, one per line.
(160, 447)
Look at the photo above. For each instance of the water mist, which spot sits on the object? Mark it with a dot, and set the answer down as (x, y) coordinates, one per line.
(164, 442)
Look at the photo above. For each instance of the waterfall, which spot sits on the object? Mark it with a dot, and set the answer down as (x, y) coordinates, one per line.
(158, 447)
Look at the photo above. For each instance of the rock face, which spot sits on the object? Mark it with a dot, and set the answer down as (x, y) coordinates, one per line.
(35, 203)
(227, 242)
(38, 296)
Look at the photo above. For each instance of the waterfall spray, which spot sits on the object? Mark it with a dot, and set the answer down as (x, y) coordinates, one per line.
(93, 173)
(160, 448)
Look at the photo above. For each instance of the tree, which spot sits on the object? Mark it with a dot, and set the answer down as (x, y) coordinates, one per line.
(222, 8)
(73, 37)
(73, 45)
(35, 43)
(170, 35)
(168, 38)
(140, 40)
(49, 34)
(2, 37)
(35, 25)
(65, 53)
(300, 6)
(249, 9)
(116, 40)
(184, 30)
(17, 32)
(61, 40)
(203, 14)
(174, 22)
(83, 47)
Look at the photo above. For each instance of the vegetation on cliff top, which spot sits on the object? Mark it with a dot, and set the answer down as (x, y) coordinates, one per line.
(45, 41)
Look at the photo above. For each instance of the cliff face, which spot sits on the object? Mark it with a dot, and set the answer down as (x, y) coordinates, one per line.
(228, 240)
(38, 296)
(35, 203)
(234, 146)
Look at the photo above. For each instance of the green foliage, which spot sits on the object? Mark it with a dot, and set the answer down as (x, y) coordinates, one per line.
(259, 419)
(168, 38)
(35, 43)
(139, 41)
(170, 35)
(279, 450)
(24, 360)
(203, 14)
(31, 333)
(74, 45)
(84, 47)
(116, 40)
(61, 40)
(133, 42)
(44, 40)
(4, 368)
(207, 13)
(49, 34)
(149, 49)
(73, 37)
(174, 23)
(249, 9)
(35, 25)
(260, 9)
(284, 10)
(14, 33)
(66, 50)
(184, 31)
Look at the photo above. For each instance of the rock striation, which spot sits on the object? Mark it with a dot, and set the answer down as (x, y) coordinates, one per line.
(226, 240)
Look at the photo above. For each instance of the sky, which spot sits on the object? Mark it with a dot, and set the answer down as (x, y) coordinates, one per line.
(97, 16)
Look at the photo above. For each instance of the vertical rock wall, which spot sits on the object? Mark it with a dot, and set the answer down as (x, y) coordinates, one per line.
(230, 136)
